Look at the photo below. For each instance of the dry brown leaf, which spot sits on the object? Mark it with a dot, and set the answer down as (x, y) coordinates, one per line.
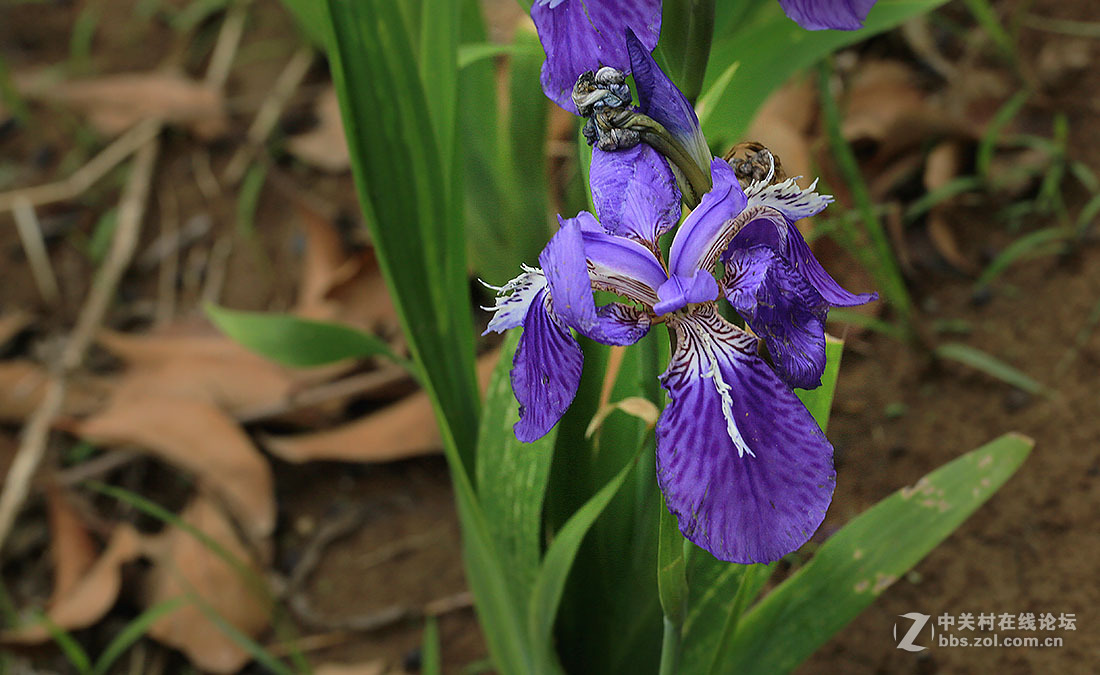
(399, 431)
(114, 103)
(23, 384)
(341, 286)
(324, 146)
(369, 668)
(12, 323)
(881, 94)
(944, 164)
(203, 367)
(91, 597)
(183, 565)
(198, 437)
(71, 547)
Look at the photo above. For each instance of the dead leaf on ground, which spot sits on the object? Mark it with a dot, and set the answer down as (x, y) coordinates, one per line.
(944, 164)
(377, 667)
(324, 146)
(114, 103)
(338, 285)
(184, 566)
(71, 547)
(90, 598)
(399, 431)
(201, 439)
(202, 367)
(23, 384)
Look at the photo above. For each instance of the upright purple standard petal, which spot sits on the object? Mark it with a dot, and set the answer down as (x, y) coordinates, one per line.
(705, 232)
(659, 98)
(582, 35)
(635, 193)
(566, 268)
(782, 307)
(546, 371)
(825, 14)
(741, 462)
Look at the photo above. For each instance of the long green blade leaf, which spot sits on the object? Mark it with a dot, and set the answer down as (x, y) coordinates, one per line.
(512, 478)
(402, 180)
(858, 563)
(555, 569)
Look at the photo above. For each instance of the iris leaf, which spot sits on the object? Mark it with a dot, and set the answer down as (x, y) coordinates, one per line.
(860, 561)
(512, 478)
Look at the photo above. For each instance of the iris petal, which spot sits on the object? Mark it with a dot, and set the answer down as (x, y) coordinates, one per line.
(660, 99)
(742, 464)
(546, 371)
(825, 14)
(582, 35)
(635, 193)
(780, 305)
(567, 273)
(705, 233)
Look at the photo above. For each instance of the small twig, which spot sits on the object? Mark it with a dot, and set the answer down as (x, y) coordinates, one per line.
(328, 391)
(332, 530)
(170, 263)
(225, 50)
(204, 175)
(94, 468)
(268, 115)
(216, 267)
(87, 175)
(36, 433)
(30, 233)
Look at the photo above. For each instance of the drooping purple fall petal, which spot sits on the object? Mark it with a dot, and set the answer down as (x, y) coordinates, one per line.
(826, 14)
(634, 192)
(582, 35)
(742, 464)
(546, 371)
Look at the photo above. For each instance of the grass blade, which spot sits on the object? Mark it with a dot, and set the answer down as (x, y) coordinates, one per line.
(990, 365)
(299, 343)
(132, 632)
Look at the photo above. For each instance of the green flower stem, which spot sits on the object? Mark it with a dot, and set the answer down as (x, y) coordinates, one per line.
(670, 648)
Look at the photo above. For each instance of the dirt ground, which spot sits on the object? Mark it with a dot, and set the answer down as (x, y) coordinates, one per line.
(897, 416)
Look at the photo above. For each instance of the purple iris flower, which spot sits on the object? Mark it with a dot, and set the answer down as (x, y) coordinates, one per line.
(825, 14)
(740, 460)
(583, 35)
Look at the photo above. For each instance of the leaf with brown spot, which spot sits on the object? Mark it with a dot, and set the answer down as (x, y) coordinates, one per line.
(185, 566)
(201, 439)
(90, 598)
(114, 103)
(399, 431)
(71, 547)
(325, 146)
